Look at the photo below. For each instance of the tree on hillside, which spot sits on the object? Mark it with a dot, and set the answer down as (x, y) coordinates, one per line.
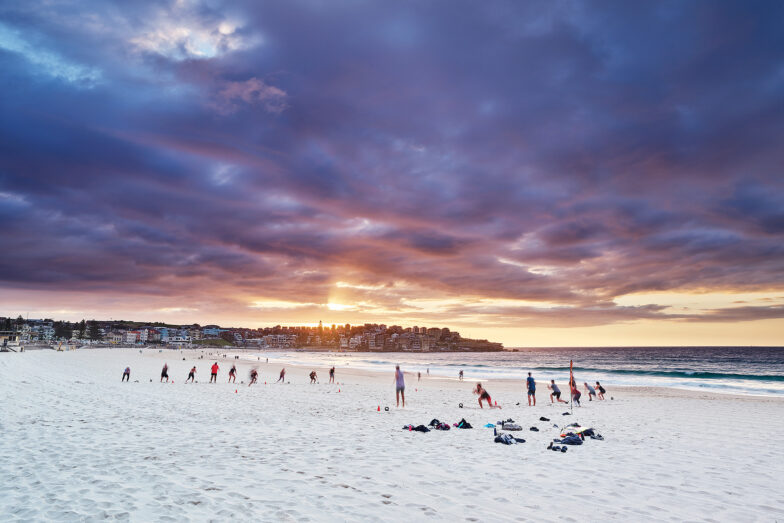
(95, 331)
(62, 330)
(82, 329)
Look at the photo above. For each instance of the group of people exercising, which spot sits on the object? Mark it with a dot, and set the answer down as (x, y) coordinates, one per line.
(254, 374)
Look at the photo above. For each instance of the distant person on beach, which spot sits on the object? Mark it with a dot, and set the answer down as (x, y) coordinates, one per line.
(460, 375)
(484, 395)
(419, 376)
(575, 393)
(282, 375)
(556, 394)
(233, 374)
(531, 384)
(590, 390)
(127, 374)
(600, 391)
(312, 376)
(254, 375)
(400, 386)
(214, 373)
(165, 372)
(428, 371)
(332, 374)
(192, 375)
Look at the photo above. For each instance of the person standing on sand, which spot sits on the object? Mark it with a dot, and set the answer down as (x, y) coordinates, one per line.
(400, 386)
(460, 375)
(312, 377)
(233, 374)
(419, 376)
(214, 373)
(332, 374)
(254, 375)
(282, 375)
(531, 384)
(556, 392)
(600, 391)
(127, 374)
(165, 372)
(590, 390)
(575, 393)
(428, 371)
(484, 395)
(192, 375)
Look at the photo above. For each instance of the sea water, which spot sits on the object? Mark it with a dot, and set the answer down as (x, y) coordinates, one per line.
(738, 370)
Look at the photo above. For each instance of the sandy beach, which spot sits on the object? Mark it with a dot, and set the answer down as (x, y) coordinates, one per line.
(80, 445)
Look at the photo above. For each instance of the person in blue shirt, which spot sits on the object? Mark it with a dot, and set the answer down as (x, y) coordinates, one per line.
(531, 390)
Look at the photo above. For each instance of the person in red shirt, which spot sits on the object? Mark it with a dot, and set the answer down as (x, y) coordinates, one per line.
(214, 373)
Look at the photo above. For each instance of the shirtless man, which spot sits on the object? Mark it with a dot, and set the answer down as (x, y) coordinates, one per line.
(192, 375)
(312, 377)
(282, 376)
(484, 395)
(233, 374)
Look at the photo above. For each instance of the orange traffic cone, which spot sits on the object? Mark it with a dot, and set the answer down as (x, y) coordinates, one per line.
(235, 391)
(379, 408)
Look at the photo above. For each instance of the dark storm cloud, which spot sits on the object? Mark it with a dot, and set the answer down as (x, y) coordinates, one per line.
(564, 152)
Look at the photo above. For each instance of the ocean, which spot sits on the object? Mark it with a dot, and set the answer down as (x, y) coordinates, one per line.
(736, 370)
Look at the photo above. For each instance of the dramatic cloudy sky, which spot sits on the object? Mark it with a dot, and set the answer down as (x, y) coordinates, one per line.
(539, 173)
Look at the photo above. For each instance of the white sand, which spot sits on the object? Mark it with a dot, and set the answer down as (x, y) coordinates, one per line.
(78, 444)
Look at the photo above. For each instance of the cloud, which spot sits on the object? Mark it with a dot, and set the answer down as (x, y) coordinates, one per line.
(250, 92)
(492, 160)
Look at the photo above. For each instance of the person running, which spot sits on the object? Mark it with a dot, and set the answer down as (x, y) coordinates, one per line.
(460, 375)
(590, 390)
(214, 373)
(531, 384)
(575, 392)
(332, 374)
(192, 375)
(312, 377)
(600, 391)
(400, 386)
(282, 376)
(127, 374)
(556, 393)
(484, 395)
(233, 374)
(165, 372)
(254, 375)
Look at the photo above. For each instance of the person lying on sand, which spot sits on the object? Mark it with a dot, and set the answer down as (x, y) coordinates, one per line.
(192, 375)
(233, 374)
(165, 372)
(600, 391)
(484, 395)
(282, 375)
(254, 375)
(590, 390)
(312, 376)
(556, 392)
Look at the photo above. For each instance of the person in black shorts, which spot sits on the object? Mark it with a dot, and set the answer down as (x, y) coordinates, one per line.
(254, 375)
(233, 374)
(165, 372)
(312, 376)
(192, 375)
(556, 394)
(484, 395)
(127, 374)
(332, 374)
(600, 391)
(531, 384)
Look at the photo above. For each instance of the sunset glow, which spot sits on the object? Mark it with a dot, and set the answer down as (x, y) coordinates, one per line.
(538, 177)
